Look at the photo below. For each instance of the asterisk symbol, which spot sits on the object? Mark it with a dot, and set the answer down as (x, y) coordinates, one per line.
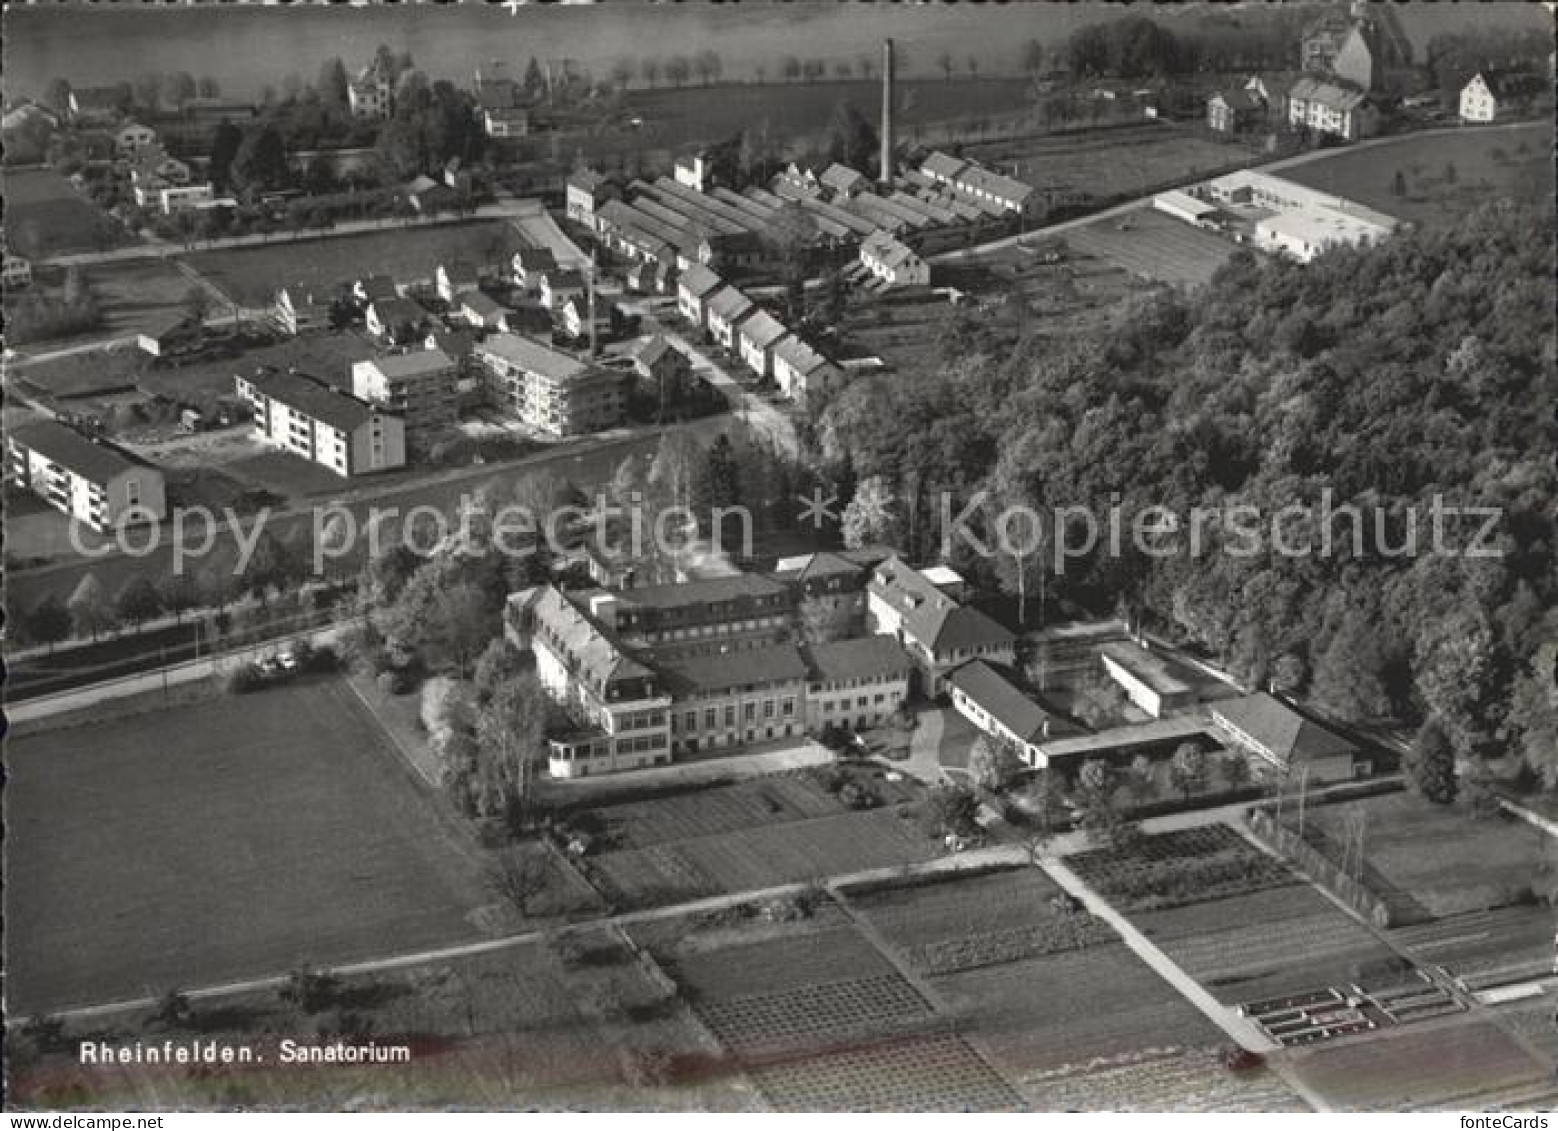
(818, 509)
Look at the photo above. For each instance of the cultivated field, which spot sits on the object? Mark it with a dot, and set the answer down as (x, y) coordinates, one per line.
(1442, 858)
(251, 275)
(749, 835)
(1174, 868)
(1190, 1080)
(532, 1028)
(1488, 163)
(1147, 243)
(233, 837)
(956, 923)
(45, 215)
(1492, 945)
(1265, 944)
(1110, 164)
(821, 1021)
(1467, 1063)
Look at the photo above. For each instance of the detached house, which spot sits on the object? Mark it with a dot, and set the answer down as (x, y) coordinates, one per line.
(396, 320)
(298, 316)
(893, 263)
(554, 288)
(574, 319)
(529, 264)
(455, 278)
(369, 94)
(483, 311)
(1330, 108)
(801, 371)
(1493, 95)
(1234, 111)
(132, 139)
(587, 192)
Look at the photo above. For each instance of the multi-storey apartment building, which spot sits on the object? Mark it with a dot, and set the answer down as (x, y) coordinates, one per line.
(312, 419)
(87, 479)
(422, 387)
(549, 390)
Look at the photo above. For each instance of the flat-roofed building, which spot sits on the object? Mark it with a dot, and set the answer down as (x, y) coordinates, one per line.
(551, 390)
(421, 387)
(1148, 680)
(89, 480)
(310, 418)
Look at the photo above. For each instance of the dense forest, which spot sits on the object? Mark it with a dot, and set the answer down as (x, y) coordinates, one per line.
(1386, 378)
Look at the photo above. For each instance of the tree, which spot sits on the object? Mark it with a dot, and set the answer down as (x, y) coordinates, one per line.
(1033, 57)
(510, 732)
(197, 304)
(312, 991)
(871, 517)
(208, 87)
(622, 73)
(820, 622)
(518, 875)
(56, 96)
(138, 601)
(273, 565)
(147, 90)
(678, 69)
(950, 810)
(172, 1010)
(721, 485)
(1398, 184)
(1188, 769)
(790, 68)
(48, 622)
(1433, 764)
(1236, 770)
(178, 87)
(993, 763)
(334, 83)
(1141, 779)
(260, 164)
(1096, 783)
(649, 68)
(1450, 173)
(225, 143)
(90, 610)
(944, 61)
(707, 64)
(499, 664)
(852, 139)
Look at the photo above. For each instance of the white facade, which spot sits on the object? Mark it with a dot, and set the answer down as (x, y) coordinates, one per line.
(99, 489)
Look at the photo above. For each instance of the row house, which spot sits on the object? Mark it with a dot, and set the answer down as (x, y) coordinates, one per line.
(800, 371)
(756, 338)
(91, 481)
(727, 309)
(696, 286)
(454, 278)
(483, 312)
(312, 419)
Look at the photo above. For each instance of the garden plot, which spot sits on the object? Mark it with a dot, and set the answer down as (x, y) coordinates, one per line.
(966, 922)
(931, 1072)
(1188, 1080)
(1267, 944)
(1184, 866)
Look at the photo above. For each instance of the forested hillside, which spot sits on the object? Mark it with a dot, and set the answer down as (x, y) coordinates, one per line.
(1389, 377)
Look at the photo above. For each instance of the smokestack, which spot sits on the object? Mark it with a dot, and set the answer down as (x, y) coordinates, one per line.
(887, 112)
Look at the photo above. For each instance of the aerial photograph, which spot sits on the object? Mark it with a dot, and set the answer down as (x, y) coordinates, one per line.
(780, 557)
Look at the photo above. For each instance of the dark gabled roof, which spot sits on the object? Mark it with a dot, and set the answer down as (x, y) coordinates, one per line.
(1288, 735)
(996, 692)
(1238, 100)
(583, 643)
(741, 667)
(1508, 84)
(375, 287)
(762, 330)
(653, 350)
(929, 615)
(730, 304)
(397, 311)
(455, 343)
(865, 656)
(483, 304)
(563, 279)
(1328, 92)
(586, 180)
(91, 459)
(535, 259)
(314, 398)
(459, 271)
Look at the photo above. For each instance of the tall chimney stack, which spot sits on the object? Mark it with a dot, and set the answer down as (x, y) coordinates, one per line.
(887, 112)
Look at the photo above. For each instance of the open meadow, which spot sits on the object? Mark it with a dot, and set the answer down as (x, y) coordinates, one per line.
(1444, 174)
(1151, 245)
(229, 838)
(251, 275)
(45, 216)
(542, 1026)
(1444, 859)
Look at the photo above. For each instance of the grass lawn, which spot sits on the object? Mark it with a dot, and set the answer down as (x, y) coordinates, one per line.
(252, 274)
(46, 216)
(1110, 163)
(524, 1028)
(228, 838)
(1488, 163)
(1443, 857)
(137, 292)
